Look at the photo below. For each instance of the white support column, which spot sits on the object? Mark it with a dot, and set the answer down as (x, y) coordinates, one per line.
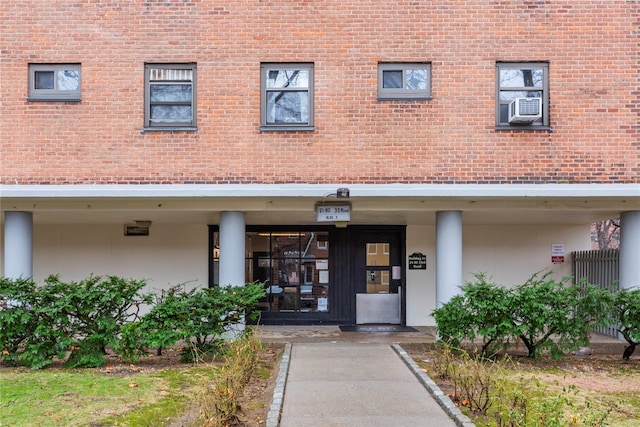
(232, 256)
(18, 245)
(448, 255)
(630, 249)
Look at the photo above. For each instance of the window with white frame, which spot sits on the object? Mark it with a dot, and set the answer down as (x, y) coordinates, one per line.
(404, 81)
(286, 96)
(522, 95)
(54, 82)
(170, 96)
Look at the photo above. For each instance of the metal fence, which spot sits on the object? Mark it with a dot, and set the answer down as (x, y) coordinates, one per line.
(600, 268)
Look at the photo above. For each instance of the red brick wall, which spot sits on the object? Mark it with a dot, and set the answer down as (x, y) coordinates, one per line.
(591, 45)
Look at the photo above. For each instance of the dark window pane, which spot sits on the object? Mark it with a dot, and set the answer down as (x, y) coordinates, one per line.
(392, 79)
(287, 107)
(44, 80)
(504, 113)
(68, 80)
(171, 93)
(171, 113)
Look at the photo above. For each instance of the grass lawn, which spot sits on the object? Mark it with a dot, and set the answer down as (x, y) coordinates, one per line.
(56, 397)
(158, 391)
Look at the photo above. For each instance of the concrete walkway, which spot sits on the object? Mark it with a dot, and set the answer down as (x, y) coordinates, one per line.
(328, 377)
(357, 384)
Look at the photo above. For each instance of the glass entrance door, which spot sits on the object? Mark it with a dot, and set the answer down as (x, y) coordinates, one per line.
(378, 268)
(379, 276)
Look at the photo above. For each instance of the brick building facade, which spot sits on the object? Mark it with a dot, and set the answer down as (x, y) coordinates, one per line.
(429, 161)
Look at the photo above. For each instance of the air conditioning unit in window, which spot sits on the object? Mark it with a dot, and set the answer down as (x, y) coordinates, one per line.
(525, 110)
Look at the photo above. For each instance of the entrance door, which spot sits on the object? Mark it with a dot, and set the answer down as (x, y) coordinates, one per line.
(379, 279)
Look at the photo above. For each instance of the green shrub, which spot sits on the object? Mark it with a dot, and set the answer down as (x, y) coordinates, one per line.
(550, 315)
(198, 317)
(626, 312)
(33, 326)
(82, 319)
(98, 308)
(57, 317)
(482, 310)
(162, 327)
(544, 313)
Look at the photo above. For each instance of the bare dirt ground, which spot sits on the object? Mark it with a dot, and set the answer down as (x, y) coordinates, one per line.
(600, 376)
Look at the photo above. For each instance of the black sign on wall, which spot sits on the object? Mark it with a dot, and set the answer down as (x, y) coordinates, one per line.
(417, 261)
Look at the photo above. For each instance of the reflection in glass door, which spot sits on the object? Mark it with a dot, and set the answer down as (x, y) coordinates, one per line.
(378, 268)
(378, 300)
(294, 266)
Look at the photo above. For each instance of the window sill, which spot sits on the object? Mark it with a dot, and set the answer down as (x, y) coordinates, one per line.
(169, 129)
(407, 98)
(527, 128)
(286, 128)
(76, 100)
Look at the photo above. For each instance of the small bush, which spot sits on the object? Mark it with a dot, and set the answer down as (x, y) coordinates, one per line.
(50, 320)
(35, 324)
(198, 317)
(626, 312)
(98, 308)
(545, 314)
(82, 319)
(483, 309)
(26, 334)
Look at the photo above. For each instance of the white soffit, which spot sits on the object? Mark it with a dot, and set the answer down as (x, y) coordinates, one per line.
(295, 203)
(464, 191)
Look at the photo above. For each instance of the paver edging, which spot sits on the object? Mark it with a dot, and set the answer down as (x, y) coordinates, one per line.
(273, 416)
(445, 403)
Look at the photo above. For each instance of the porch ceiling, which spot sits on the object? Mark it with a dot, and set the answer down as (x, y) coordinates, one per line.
(295, 204)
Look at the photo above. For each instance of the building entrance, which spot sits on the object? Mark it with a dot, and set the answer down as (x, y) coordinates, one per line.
(322, 274)
(378, 275)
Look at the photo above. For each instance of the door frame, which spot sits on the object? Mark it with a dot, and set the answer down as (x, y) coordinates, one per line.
(396, 236)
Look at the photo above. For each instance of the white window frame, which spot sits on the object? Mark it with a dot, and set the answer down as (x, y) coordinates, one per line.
(56, 93)
(404, 92)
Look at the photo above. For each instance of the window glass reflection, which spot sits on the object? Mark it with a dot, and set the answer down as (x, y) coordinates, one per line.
(294, 267)
(171, 93)
(287, 78)
(521, 78)
(510, 95)
(377, 281)
(170, 113)
(416, 79)
(287, 107)
(68, 80)
(378, 254)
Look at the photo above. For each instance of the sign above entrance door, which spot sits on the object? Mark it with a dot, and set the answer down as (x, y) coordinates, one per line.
(333, 212)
